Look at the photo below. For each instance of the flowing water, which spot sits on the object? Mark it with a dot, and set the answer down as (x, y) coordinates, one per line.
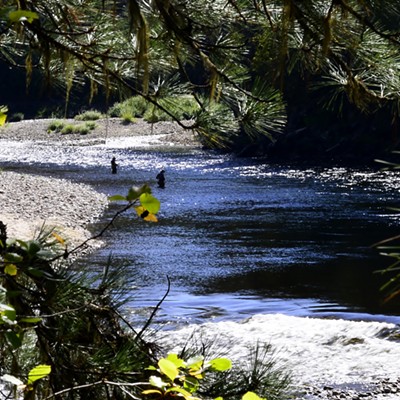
(251, 250)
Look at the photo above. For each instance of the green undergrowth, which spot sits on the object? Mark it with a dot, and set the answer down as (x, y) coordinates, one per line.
(65, 128)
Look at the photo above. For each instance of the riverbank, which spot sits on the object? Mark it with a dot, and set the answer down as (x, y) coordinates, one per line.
(38, 130)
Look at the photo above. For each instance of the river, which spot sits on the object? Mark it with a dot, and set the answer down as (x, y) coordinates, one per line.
(251, 250)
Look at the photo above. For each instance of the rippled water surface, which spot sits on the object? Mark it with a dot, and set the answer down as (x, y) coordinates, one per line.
(236, 236)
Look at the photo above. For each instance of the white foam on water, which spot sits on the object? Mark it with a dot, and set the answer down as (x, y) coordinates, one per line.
(316, 351)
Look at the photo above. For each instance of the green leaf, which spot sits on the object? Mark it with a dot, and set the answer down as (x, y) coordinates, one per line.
(10, 314)
(13, 258)
(133, 193)
(38, 372)
(22, 15)
(33, 247)
(168, 368)
(30, 320)
(251, 396)
(191, 384)
(14, 339)
(117, 197)
(150, 203)
(37, 273)
(178, 362)
(220, 364)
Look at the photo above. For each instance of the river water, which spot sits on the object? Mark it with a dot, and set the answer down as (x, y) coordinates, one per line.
(252, 251)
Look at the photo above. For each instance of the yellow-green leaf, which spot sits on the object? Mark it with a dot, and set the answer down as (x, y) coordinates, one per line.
(3, 118)
(38, 372)
(135, 192)
(11, 269)
(178, 362)
(251, 396)
(150, 203)
(195, 363)
(3, 114)
(22, 15)
(168, 368)
(220, 364)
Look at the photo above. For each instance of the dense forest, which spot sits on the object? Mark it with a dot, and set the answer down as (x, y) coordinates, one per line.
(310, 81)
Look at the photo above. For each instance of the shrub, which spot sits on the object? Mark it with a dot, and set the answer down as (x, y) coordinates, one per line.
(91, 125)
(90, 115)
(128, 118)
(68, 129)
(182, 107)
(134, 106)
(55, 126)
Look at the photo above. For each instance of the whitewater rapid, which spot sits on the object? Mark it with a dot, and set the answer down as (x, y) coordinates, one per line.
(315, 351)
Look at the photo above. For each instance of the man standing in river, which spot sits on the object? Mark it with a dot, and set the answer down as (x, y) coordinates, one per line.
(113, 166)
(161, 179)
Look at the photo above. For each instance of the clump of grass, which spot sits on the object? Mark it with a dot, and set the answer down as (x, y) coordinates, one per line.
(67, 129)
(90, 115)
(91, 125)
(128, 118)
(55, 126)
